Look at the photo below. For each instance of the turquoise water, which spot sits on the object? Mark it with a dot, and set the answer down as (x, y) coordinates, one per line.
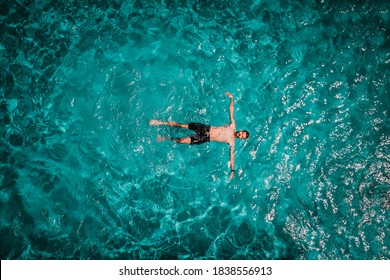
(82, 176)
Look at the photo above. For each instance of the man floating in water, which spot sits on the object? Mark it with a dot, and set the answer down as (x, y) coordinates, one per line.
(207, 133)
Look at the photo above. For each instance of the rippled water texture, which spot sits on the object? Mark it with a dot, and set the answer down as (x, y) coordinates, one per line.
(82, 176)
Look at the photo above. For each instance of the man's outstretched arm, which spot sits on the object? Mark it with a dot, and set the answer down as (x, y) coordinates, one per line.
(231, 107)
(232, 161)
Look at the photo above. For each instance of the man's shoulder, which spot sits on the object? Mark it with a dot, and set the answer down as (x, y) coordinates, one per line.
(227, 127)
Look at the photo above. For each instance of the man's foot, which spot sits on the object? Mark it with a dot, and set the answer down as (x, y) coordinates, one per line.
(162, 138)
(155, 122)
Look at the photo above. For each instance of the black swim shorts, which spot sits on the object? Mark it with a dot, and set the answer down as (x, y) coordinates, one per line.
(202, 133)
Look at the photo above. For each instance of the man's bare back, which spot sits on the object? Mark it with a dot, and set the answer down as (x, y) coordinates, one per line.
(205, 133)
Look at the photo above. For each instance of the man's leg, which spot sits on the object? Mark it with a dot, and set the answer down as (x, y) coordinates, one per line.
(156, 122)
(185, 140)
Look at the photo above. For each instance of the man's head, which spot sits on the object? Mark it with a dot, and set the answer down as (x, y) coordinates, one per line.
(242, 134)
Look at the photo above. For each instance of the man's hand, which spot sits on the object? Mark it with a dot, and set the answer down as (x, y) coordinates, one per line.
(228, 94)
(231, 174)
